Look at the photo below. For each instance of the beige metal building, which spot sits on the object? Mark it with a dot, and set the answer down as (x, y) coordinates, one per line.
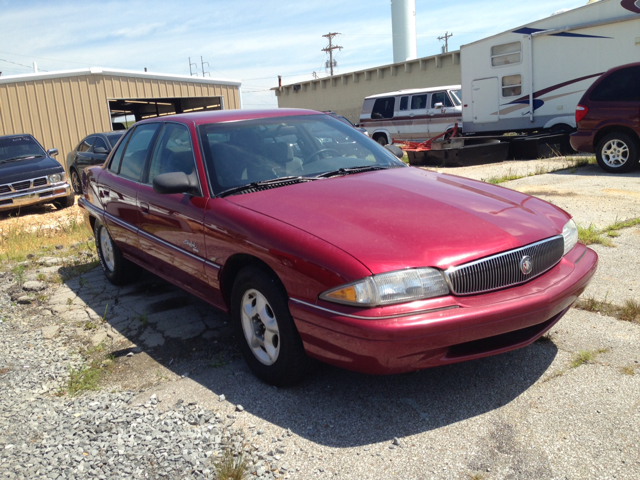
(345, 92)
(60, 108)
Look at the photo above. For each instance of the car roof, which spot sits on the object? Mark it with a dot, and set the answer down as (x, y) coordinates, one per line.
(415, 91)
(218, 116)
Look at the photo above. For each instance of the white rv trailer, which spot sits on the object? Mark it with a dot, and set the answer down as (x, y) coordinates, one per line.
(532, 77)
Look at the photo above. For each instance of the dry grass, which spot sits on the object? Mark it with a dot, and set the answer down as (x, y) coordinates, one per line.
(230, 467)
(629, 312)
(585, 356)
(592, 235)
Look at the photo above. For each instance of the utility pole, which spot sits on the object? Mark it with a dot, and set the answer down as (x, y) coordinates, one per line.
(314, 75)
(445, 47)
(330, 49)
(194, 64)
(202, 63)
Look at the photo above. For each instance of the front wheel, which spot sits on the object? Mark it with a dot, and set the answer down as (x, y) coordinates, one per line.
(617, 153)
(116, 268)
(75, 182)
(65, 202)
(267, 335)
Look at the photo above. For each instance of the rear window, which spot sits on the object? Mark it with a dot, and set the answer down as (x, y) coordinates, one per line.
(620, 86)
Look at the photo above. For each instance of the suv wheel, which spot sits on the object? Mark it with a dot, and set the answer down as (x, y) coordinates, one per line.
(617, 153)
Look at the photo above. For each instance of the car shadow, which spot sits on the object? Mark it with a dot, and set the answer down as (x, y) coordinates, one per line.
(333, 407)
(595, 171)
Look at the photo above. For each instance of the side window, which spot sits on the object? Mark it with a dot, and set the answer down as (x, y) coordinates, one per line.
(173, 152)
(440, 97)
(620, 86)
(85, 144)
(137, 149)
(511, 85)
(506, 54)
(404, 103)
(418, 102)
(383, 108)
(116, 160)
(99, 146)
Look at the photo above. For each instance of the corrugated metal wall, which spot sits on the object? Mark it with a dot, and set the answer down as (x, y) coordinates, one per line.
(60, 112)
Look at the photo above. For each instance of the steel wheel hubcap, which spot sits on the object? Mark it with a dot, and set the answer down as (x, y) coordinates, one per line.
(260, 327)
(107, 249)
(615, 153)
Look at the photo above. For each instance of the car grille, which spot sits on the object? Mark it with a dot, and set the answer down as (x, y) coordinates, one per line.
(5, 189)
(503, 270)
(21, 185)
(24, 185)
(38, 182)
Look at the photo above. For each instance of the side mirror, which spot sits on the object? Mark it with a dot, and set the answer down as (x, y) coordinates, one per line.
(52, 152)
(397, 151)
(439, 105)
(100, 150)
(176, 182)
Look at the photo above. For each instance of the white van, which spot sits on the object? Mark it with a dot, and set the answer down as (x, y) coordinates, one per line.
(415, 115)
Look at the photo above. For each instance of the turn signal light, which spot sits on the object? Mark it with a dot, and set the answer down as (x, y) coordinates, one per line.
(581, 111)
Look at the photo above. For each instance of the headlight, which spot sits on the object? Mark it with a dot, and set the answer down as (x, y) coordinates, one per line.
(570, 234)
(389, 288)
(56, 178)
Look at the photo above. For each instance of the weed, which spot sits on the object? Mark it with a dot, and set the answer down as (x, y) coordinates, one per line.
(82, 282)
(476, 476)
(620, 224)
(220, 362)
(142, 319)
(106, 309)
(69, 301)
(585, 356)
(41, 277)
(41, 298)
(83, 379)
(89, 326)
(230, 467)
(628, 370)
(592, 235)
(630, 311)
(18, 274)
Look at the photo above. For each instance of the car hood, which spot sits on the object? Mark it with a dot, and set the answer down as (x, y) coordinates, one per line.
(26, 169)
(408, 217)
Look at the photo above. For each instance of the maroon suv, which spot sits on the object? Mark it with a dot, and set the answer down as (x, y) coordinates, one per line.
(608, 119)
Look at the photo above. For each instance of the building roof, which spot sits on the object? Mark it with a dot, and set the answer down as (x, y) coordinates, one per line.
(114, 73)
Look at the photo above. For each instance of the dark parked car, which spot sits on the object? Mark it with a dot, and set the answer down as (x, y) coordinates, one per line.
(344, 119)
(608, 119)
(92, 150)
(29, 175)
(342, 254)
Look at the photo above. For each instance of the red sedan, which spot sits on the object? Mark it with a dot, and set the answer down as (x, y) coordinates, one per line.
(323, 245)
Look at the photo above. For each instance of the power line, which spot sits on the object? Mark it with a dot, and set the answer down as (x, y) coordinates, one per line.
(330, 49)
(445, 37)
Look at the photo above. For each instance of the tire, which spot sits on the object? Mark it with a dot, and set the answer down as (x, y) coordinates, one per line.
(75, 182)
(617, 153)
(267, 336)
(65, 202)
(117, 269)
(381, 139)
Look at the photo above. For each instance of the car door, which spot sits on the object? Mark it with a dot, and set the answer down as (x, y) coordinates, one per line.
(171, 225)
(118, 187)
(83, 156)
(441, 112)
(420, 128)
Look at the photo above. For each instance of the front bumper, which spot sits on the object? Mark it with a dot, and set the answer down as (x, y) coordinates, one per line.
(582, 141)
(458, 329)
(35, 196)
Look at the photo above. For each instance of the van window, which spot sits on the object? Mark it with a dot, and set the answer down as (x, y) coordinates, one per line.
(383, 108)
(440, 97)
(418, 102)
(505, 54)
(620, 86)
(404, 103)
(511, 85)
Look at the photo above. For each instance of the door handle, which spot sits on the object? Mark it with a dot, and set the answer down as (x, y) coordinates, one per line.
(411, 114)
(144, 208)
(106, 192)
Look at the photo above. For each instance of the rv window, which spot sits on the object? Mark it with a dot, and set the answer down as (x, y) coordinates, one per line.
(505, 54)
(620, 86)
(456, 95)
(404, 103)
(511, 85)
(440, 97)
(383, 108)
(418, 102)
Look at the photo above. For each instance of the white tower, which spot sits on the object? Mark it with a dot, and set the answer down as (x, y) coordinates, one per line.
(403, 26)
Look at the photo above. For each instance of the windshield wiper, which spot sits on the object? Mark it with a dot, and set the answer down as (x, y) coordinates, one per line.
(19, 157)
(350, 170)
(274, 182)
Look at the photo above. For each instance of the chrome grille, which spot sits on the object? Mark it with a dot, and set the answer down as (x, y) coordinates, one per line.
(38, 182)
(21, 185)
(503, 270)
(5, 189)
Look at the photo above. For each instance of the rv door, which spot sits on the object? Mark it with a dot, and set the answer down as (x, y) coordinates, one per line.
(485, 101)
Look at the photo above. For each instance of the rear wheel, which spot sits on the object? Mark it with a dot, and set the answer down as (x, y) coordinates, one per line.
(267, 335)
(116, 268)
(617, 153)
(381, 138)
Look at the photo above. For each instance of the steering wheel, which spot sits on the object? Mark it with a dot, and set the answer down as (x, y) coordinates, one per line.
(323, 150)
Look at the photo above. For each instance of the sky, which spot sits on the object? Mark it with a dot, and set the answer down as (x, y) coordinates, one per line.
(251, 41)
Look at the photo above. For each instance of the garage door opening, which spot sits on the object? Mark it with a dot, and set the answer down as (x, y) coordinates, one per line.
(127, 111)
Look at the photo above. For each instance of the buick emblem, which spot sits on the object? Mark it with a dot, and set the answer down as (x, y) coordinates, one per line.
(525, 265)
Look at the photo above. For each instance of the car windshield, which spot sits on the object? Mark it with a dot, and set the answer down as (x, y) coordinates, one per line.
(303, 147)
(456, 95)
(19, 147)
(114, 137)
